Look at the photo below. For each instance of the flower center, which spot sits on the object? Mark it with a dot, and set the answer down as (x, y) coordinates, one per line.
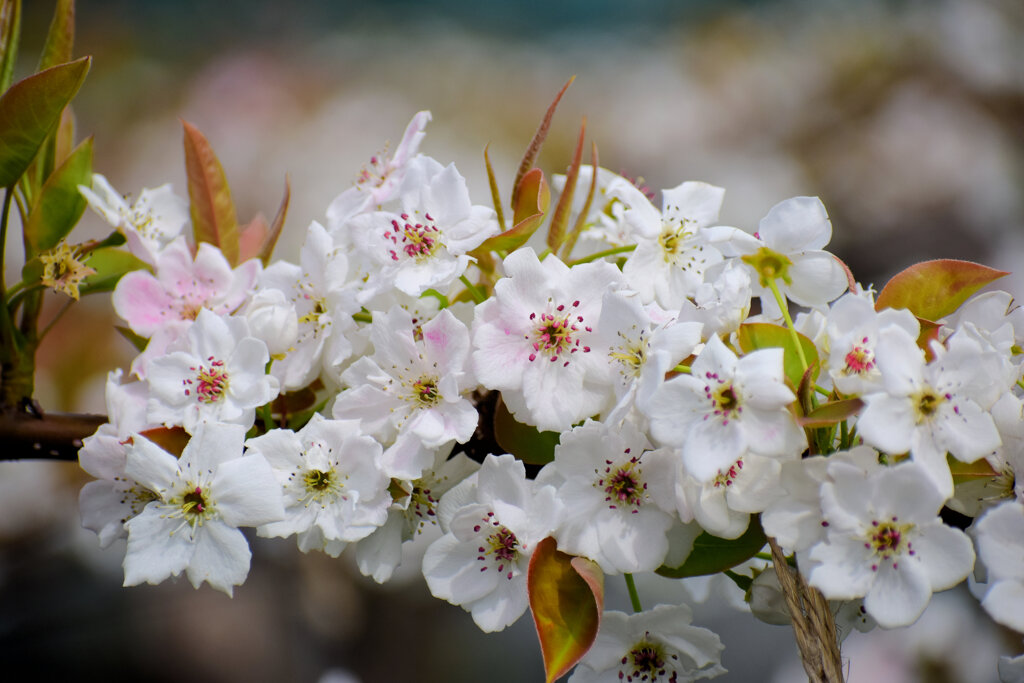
(927, 403)
(888, 539)
(675, 242)
(421, 507)
(501, 546)
(416, 240)
(770, 265)
(646, 662)
(374, 174)
(556, 335)
(729, 476)
(724, 399)
(210, 382)
(62, 271)
(623, 484)
(631, 354)
(194, 506)
(424, 392)
(860, 360)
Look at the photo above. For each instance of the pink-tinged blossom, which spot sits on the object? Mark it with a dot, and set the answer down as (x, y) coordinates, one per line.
(149, 225)
(655, 646)
(323, 295)
(999, 536)
(618, 496)
(853, 328)
(534, 340)
(413, 392)
(934, 408)
(425, 243)
(335, 491)
(219, 377)
(885, 542)
(673, 249)
(379, 181)
(493, 522)
(162, 306)
(200, 501)
(726, 407)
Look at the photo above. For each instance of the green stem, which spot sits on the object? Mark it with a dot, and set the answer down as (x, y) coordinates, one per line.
(634, 597)
(267, 417)
(3, 238)
(602, 254)
(473, 290)
(682, 368)
(781, 301)
(57, 317)
(362, 317)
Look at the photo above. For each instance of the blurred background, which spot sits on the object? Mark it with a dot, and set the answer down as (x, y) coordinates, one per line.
(906, 118)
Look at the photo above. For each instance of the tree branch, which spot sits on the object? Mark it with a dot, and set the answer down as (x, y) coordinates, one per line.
(53, 436)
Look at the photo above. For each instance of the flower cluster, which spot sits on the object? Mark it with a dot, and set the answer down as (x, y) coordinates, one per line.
(335, 400)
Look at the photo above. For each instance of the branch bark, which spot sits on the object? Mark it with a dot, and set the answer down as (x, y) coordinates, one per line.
(53, 436)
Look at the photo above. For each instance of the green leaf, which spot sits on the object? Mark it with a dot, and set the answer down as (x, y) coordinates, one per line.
(521, 440)
(10, 32)
(138, 342)
(711, 554)
(532, 203)
(61, 38)
(829, 414)
(213, 213)
(754, 336)
(567, 600)
(560, 218)
(934, 289)
(30, 111)
(60, 204)
(495, 194)
(527, 163)
(110, 265)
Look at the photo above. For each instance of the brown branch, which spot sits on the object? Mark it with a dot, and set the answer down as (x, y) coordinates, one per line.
(53, 436)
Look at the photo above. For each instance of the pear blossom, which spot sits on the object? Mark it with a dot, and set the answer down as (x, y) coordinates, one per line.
(200, 501)
(114, 497)
(412, 393)
(64, 269)
(618, 496)
(335, 491)
(886, 543)
(725, 408)
(534, 340)
(640, 353)
(721, 303)
(219, 377)
(425, 243)
(999, 536)
(656, 645)
(379, 182)
(413, 514)
(323, 296)
(723, 505)
(149, 225)
(934, 408)
(789, 248)
(493, 522)
(162, 306)
(853, 329)
(673, 251)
